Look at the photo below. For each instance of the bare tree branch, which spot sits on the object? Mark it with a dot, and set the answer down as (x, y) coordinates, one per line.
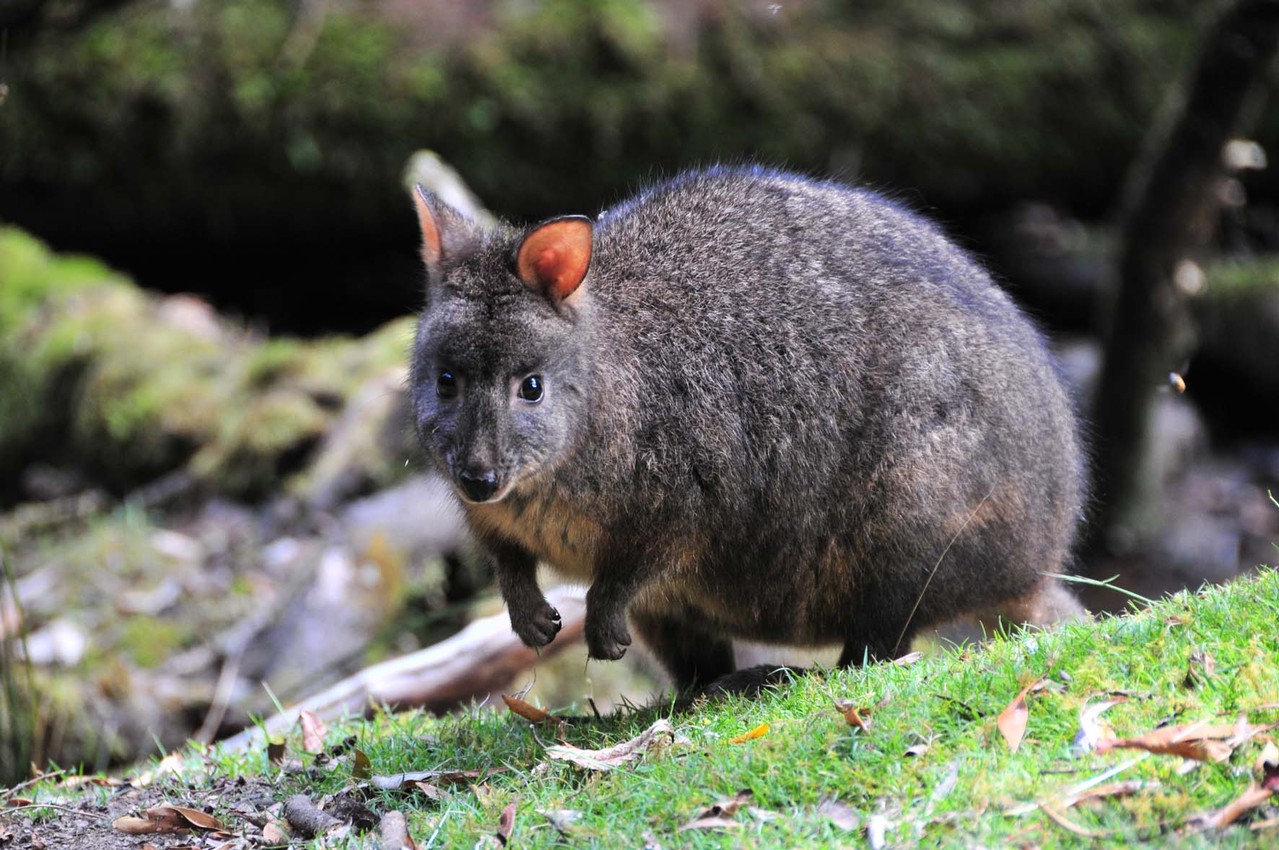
(1172, 196)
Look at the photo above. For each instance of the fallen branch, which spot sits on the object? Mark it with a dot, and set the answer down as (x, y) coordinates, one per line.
(477, 660)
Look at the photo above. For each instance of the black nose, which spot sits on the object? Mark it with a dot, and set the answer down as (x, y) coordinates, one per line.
(478, 486)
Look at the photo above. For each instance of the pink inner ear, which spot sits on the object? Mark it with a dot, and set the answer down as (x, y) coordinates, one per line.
(430, 229)
(554, 257)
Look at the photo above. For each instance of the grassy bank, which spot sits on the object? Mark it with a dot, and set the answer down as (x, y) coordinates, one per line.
(934, 764)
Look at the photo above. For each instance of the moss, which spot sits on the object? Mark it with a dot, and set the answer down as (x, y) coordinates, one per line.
(569, 102)
(150, 641)
(1243, 278)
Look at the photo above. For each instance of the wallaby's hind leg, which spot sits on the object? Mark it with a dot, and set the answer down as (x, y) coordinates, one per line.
(693, 656)
(863, 649)
(1048, 602)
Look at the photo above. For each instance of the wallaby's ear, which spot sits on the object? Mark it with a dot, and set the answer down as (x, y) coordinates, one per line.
(554, 257)
(430, 225)
(445, 231)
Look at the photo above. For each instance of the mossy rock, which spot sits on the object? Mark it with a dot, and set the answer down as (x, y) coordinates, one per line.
(555, 107)
(94, 373)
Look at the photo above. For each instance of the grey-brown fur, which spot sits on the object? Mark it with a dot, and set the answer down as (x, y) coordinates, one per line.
(773, 407)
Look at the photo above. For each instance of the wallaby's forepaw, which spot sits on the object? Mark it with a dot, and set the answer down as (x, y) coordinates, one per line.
(607, 639)
(539, 627)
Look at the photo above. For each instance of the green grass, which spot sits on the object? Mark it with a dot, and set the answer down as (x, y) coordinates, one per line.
(933, 769)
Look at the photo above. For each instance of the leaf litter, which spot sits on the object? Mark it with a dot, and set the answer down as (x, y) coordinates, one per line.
(608, 758)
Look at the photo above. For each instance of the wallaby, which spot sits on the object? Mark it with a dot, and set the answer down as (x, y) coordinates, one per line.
(745, 404)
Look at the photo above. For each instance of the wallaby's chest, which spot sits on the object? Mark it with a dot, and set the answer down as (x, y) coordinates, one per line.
(552, 530)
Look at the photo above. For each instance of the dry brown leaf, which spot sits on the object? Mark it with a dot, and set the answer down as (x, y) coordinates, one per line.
(166, 819)
(719, 815)
(79, 779)
(838, 813)
(361, 767)
(506, 823)
(617, 755)
(562, 819)
(1229, 813)
(427, 790)
(729, 806)
(1066, 823)
(1268, 766)
(1200, 668)
(1197, 741)
(275, 833)
(711, 823)
(313, 732)
(1012, 720)
(134, 825)
(172, 763)
(1111, 789)
(853, 716)
(528, 711)
(434, 777)
(275, 752)
(758, 732)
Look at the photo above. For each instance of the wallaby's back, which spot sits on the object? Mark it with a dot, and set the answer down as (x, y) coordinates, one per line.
(804, 417)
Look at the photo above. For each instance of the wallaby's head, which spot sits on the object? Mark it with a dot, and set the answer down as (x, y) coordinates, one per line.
(501, 366)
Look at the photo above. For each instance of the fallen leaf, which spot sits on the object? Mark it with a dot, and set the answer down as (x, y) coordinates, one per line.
(561, 819)
(1197, 741)
(313, 732)
(79, 779)
(719, 815)
(275, 833)
(619, 754)
(170, 764)
(166, 819)
(1092, 728)
(758, 732)
(729, 806)
(908, 658)
(1268, 766)
(1012, 720)
(1229, 813)
(528, 711)
(429, 791)
(393, 832)
(838, 813)
(711, 823)
(1111, 789)
(361, 767)
(1199, 669)
(917, 750)
(506, 823)
(435, 777)
(853, 716)
(1066, 823)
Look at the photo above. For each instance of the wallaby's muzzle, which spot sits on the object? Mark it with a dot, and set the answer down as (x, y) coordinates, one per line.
(478, 486)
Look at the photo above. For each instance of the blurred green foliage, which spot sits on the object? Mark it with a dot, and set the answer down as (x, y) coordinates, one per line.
(244, 111)
(95, 373)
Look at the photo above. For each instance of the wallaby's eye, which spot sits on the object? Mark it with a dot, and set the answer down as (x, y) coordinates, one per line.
(531, 389)
(446, 386)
